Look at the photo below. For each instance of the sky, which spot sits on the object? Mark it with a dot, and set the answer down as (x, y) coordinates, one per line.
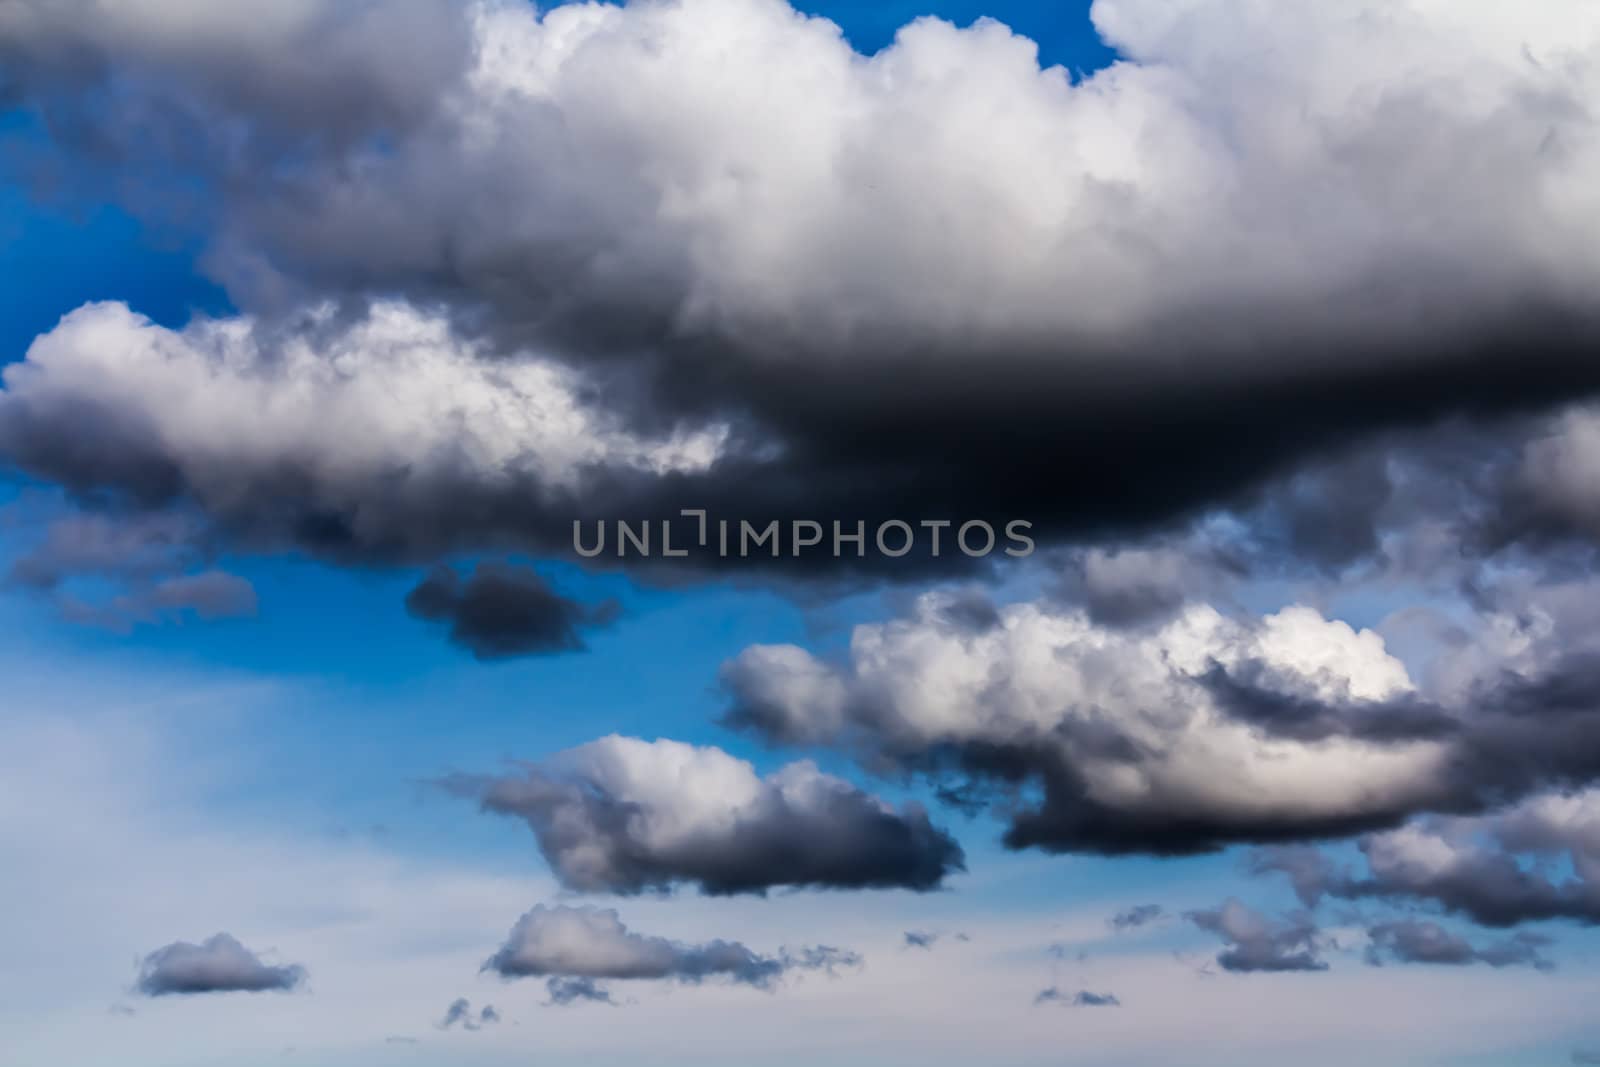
(1149, 460)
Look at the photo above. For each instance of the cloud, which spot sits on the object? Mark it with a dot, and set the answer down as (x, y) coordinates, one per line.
(1418, 941)
(1103, 739)
(208, 595)
(154, 563)
(920, 938)
(1249, 251)
(502, 611)
(101, 545)
(1479, 868)
(1256, 943)
(1136, 916)
(460, 1014)
(359, 428)
(1215, 727)
(1083, 999)
(577, 947)
(568, 991)
(1585, 1056)
(626, 816)
(218, 965)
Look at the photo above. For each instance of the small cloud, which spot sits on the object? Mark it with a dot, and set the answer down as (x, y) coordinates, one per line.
(501, 611)
(568, 991)
(578, 944)
(219, 965)
(1420, 942)
(1256, 943)
(460, 1014)
(1081, 999)
(1135, 917)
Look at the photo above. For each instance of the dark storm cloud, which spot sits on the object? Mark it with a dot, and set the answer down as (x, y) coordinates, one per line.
(1136, 916)
(626, 816)
(577, 947)
(1083, 999)
(880, 329)
(1422, 942)
(1258, 943)
(501, 611)
(218, 965)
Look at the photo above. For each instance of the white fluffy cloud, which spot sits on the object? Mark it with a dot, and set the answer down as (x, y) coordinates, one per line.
(740, 168)
(624, 815)
(1129, 717)
(363, 417)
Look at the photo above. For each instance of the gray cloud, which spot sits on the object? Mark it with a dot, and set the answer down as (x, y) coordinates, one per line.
(460, 1014)
(309, 77)
(577, 947)
(1136, 916)
(1478, 868)
(869, 327)
(218, 965)
(1419, 941)
(501, 611)
(104, 545)
(156, 565)
(1043, 716)
(568, 991)
(209, 595)
(626, 816)
(1082, 999)
(1257, 943)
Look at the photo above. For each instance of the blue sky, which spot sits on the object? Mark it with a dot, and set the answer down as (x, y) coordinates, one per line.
(275, 775)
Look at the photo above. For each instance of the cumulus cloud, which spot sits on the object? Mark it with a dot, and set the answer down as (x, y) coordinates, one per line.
(954, 277)
(1257, 943)
(621, 815)
(218, 965)
(1419, 941)
(501, 611)
(576, 948)
(340, 434)
(1207, 730)
(1122, 730)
